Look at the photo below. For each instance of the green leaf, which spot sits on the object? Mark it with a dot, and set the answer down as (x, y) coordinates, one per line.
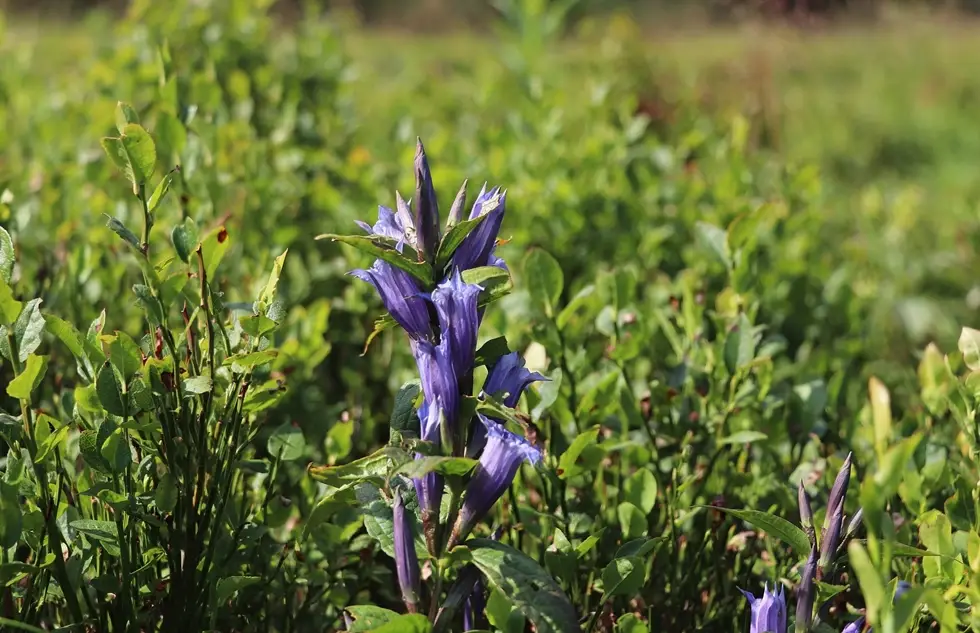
(641, 490)
(369, 617)
(227, 587)
(631, 520)
(567, 463)
(740, 345)
(165, 496)
(545, 280)
(123, 231)
(892, 467)
(198, 385)
(115, 449)
(715, 241)
(257, 324)
(530, 588)
(409, 623)
(269, 292)
(241, 363)
(375, 465)
(6, 257)
(90, 449)
(502, 615)
(776, 526)
(160, 193)
(141, 151)
(9, 307)
(872, 588)
(415, 468)
(125, 114)
(453, 238)
(23, 385)
(51, 442)
(287, 442)
(27, 331)
(495, 282)
(104, 531)
(11, 517)
(969, 345)
(125, 356)
(404, 417)
(743, 437)
(631, 623)
(580, 299)
(150, 304)
(333, 501)
(491, 351)
(378, 516)
(547, 393)
(623, 576)
(186, 239)
(110, 391)
(384, 249)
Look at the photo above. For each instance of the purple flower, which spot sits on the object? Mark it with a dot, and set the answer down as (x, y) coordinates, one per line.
(855, 626)
(426, 207)
(456, 211)
(508, 375)
(397, 227)
(807, 593)
(429, 487)
(477, 248)
(400, 295)
(768, 612)
(406, 560)
(834, 521)
(474, 607)
(503, 455)
(456, 304)
(439, 384)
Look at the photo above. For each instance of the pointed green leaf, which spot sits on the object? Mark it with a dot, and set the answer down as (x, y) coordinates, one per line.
(453, 238)
(545, 280)
(6, 256)
(160, 193)
(384, 248)
(23, 385)
(776, 526)
(110, 391)
(141, 152)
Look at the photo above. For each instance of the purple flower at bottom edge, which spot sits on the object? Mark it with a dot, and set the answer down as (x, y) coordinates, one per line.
(400, 295)
(768, 612)
(855, 626)
(477, 247)
(502, 456)
(508, 375)
(406, 559)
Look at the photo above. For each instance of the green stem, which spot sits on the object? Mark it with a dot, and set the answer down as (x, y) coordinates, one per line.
(127, 599)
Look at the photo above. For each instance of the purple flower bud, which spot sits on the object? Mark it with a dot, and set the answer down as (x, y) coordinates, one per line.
(426, 207)
(834, 521)
(477, 248)
(502, 456)
(397, 227)
(474, 607)
(901, 588)
(400, 295)
(807, 593)
(508, 375)
(855, 626)
(429, 487)
(768, 612)
(406, 560)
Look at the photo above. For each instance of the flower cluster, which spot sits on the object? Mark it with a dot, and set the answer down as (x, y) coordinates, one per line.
(769, 611)
(442, 323)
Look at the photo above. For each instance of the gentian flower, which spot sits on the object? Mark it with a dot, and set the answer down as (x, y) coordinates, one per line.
(400, 294)
(502, 456)
(855, 626)
(406, 560)
(426, 207)
(807, 593)
(455, 303)
(429, 487)
(474, 607)
(477, 247)
(456, 211)
(395, 226)
(834, 521)
(508, 375)
(768, 612)
(439, 384)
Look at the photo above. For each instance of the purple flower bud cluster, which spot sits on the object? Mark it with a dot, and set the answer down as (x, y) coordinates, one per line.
(442, 323)
(769, 611)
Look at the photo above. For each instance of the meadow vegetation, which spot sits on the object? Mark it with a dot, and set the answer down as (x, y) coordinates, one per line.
(738, 261)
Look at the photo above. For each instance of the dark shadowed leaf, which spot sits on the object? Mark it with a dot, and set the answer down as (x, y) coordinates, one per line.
(776, 526)
(384, 248)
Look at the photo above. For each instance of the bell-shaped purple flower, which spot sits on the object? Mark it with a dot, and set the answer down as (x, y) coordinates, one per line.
(400, 294)
(507, 376)
(429, 487)
(473, 608)
(456, 303)
(502, 456)
(406, 560)
(833, 523)
(395, 226)
(768, 612)
(855, 627)
(439, 384)
(426, 207)
(477, 247)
